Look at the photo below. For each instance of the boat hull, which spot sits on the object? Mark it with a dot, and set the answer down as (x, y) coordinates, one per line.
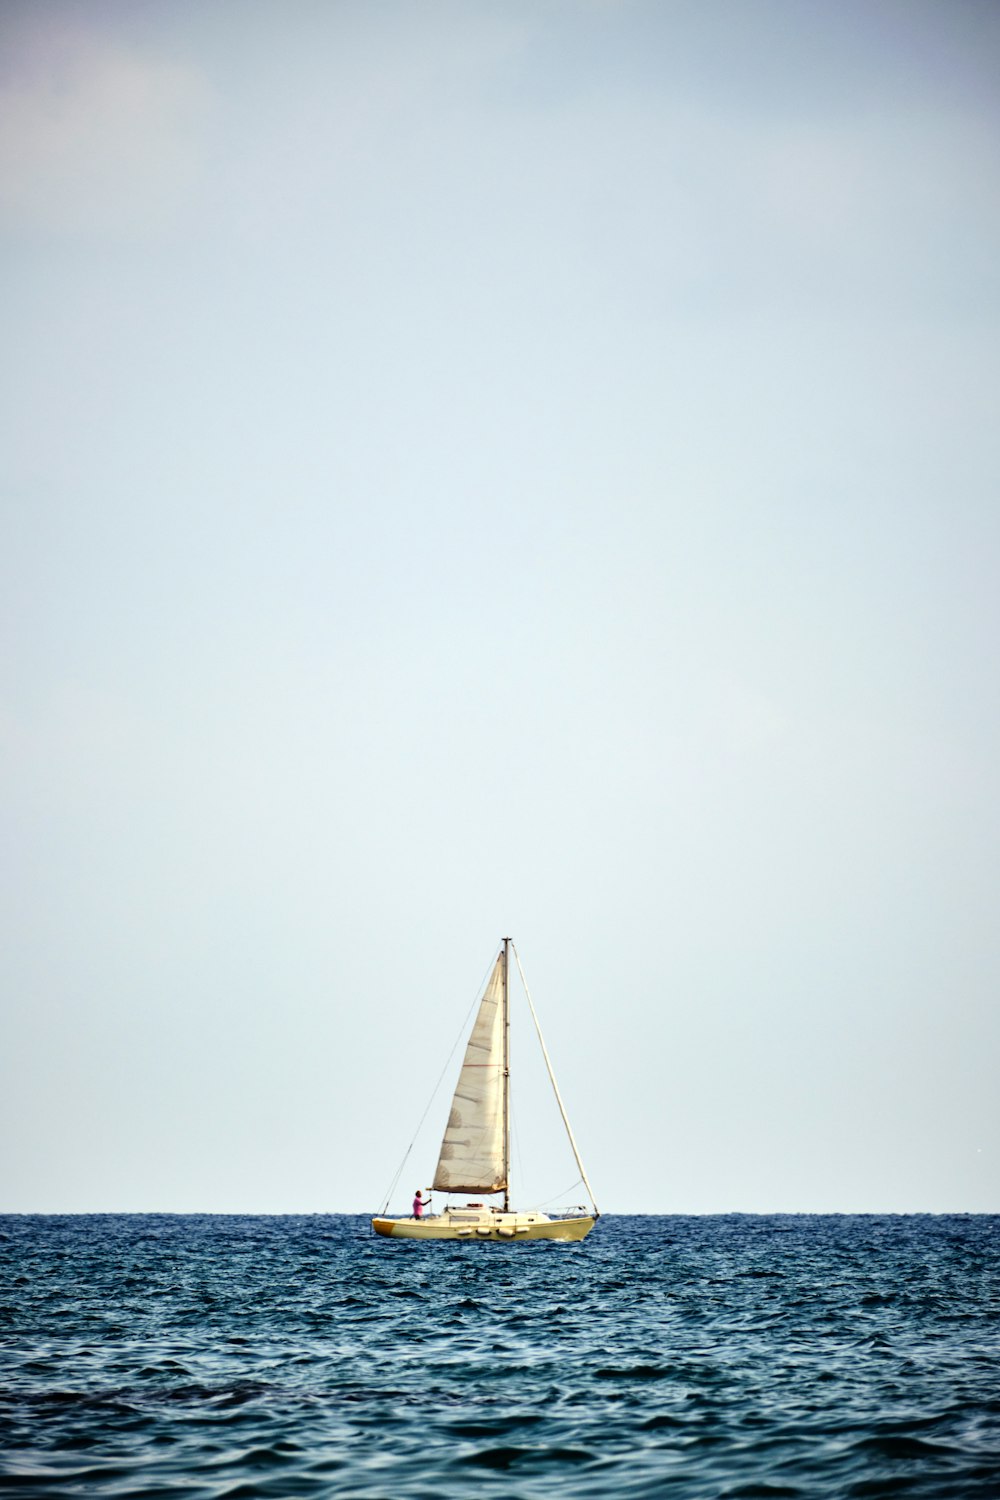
(506, 1228)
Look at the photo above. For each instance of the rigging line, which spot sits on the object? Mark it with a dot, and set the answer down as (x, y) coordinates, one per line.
(561, 1194)
(451, 1054)
(555, 1086)
(516, 1135)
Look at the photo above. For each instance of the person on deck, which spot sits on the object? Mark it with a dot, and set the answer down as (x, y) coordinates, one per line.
(419, 1204)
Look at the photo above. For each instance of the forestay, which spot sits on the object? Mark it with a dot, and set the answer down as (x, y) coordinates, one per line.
(472, 1151)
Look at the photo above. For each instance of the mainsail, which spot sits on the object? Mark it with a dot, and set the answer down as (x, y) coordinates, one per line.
(472, 1156)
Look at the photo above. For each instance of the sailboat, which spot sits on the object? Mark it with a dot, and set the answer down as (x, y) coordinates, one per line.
(475, 1150)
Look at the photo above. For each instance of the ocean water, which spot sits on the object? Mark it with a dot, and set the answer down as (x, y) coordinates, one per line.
(686, 1357)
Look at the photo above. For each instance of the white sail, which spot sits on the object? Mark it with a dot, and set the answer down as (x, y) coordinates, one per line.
(472, 1151)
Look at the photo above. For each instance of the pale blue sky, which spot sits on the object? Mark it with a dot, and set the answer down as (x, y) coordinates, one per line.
(480, 468)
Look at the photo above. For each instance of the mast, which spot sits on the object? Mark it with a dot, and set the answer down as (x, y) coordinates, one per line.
(506, 1074)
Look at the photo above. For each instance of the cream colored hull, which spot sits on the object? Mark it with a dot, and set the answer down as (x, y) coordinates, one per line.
(485, 1225)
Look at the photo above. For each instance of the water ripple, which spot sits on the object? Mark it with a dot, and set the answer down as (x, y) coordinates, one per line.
(732, 1357)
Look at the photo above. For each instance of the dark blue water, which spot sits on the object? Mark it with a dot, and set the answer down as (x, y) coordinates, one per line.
(736, 1357)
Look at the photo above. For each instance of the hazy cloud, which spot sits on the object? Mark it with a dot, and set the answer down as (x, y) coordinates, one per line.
(97, 139)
